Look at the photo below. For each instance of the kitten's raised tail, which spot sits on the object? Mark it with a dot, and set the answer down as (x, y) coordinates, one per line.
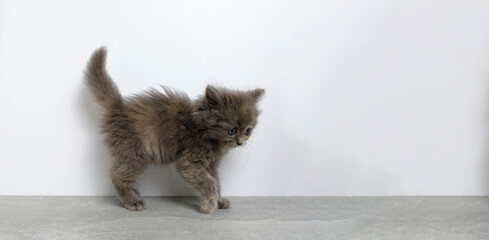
(99, 82)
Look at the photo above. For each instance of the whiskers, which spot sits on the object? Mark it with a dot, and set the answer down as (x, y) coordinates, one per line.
(246, 153)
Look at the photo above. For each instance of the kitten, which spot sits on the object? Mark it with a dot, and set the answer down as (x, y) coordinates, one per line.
(170, 128)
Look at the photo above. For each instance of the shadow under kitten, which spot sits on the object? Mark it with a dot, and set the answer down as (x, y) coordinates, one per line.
(170, 128)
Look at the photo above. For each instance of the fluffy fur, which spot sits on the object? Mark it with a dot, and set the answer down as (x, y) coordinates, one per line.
(170, 128)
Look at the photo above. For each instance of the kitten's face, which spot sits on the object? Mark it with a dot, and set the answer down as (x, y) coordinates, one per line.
(231, 116)
(235, 132)
(238, 135)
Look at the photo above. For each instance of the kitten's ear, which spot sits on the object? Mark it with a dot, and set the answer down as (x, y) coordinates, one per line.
(212, 96)
(257, 94)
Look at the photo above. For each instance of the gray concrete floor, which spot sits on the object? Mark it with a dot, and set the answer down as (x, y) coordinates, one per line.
(248, 218)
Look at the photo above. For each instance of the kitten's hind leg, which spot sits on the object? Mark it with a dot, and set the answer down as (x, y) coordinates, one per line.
(123, 177)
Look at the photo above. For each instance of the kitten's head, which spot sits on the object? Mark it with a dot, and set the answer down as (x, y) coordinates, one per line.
(228, 116)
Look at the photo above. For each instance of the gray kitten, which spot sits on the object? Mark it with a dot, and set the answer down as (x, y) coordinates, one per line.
(170, 128)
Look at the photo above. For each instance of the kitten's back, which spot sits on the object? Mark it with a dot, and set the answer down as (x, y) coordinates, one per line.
(161, 120)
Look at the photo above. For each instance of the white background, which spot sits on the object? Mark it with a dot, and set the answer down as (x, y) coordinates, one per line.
(362, 97)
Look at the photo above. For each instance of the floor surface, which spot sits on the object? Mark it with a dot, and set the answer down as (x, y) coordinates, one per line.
(249, 218)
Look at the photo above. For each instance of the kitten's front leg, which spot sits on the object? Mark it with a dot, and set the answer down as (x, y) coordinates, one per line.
(201, 179)
(222, 203)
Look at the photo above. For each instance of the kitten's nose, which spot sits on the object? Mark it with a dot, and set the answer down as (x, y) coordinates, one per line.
(240, 141)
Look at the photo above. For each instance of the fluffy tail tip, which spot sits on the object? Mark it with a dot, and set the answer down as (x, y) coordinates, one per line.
(99, 56)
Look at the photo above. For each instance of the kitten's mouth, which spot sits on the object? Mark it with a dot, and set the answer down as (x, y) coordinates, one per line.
(234, 144)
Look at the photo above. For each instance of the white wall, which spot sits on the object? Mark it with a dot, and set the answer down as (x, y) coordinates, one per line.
(363, 97)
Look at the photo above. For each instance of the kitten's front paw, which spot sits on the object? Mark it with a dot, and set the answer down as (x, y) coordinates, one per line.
(224, 203)
(208, 206)
(135, 205)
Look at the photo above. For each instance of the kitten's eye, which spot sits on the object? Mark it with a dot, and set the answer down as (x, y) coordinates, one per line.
(232, 131)
(248, 131)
